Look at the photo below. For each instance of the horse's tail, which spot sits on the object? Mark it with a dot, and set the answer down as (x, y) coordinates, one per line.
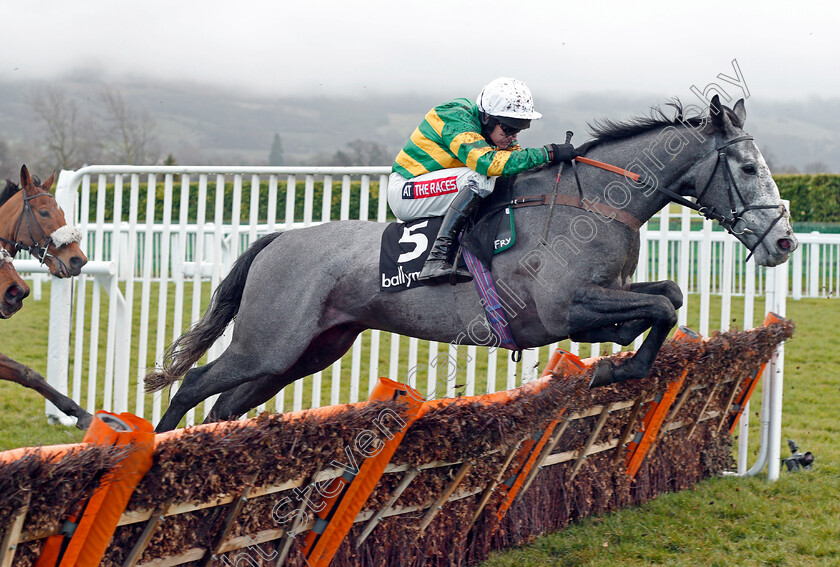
(224, 305)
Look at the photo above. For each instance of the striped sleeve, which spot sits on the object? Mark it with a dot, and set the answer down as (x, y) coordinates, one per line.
(461, 133)
(449, 136)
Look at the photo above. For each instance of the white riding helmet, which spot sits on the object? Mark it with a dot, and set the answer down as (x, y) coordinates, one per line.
(507, 98)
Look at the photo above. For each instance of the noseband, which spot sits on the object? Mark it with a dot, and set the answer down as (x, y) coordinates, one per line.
(4, 257)
(37, 250)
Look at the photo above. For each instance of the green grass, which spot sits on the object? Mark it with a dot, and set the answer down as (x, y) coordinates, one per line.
(723, 522)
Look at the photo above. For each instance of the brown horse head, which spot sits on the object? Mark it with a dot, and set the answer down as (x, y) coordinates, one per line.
(13, 290)
(30, 219)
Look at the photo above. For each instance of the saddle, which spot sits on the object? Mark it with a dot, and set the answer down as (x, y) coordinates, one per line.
(493, 229)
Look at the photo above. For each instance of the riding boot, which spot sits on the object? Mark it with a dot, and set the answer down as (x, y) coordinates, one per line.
(439, 268)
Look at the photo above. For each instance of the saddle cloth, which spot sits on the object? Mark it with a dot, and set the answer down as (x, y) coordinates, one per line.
(405, 247)
(491, 234)
(403, 251)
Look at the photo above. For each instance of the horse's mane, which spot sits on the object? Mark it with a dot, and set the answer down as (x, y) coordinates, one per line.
(8, 192)
(607, 130)
(12, 188)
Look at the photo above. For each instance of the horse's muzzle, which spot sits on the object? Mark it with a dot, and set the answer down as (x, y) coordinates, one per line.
(76, 264)
(774, 252)
(66, 268)
(786, 245)
(13, 299)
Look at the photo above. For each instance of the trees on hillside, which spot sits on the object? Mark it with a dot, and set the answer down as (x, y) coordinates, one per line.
(70, 138)
(8, 167)
(130, 133)
(357, 152)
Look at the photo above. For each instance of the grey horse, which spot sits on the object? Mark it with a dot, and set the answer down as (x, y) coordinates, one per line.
(300, 298)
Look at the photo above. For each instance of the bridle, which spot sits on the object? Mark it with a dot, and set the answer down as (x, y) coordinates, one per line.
(728, 221)
(36, 249)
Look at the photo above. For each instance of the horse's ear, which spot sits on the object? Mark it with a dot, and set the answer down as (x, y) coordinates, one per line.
(25, 178)
(48, 183)
(740, 111)
(717, 114)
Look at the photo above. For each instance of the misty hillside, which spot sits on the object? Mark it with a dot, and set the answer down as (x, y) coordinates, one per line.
(205, 125)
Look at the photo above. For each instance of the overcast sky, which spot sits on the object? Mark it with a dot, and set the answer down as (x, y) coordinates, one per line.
(784, 49)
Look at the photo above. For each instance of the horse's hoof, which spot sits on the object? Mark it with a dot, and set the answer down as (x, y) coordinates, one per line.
(604, 375)
(83, 421)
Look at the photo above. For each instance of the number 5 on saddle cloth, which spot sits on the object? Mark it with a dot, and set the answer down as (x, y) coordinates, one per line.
(405, 246)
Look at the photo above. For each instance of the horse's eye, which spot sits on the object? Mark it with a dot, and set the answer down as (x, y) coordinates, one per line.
(749, 169)
(44, 213)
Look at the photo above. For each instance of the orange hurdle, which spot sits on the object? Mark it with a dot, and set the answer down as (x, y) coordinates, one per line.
(534, 450)
(753, 381)
(655, 413)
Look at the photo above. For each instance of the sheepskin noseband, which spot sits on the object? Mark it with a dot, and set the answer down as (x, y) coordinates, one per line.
(66, 235)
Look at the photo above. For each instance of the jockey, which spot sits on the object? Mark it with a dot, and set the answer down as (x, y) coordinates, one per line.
(453, 158)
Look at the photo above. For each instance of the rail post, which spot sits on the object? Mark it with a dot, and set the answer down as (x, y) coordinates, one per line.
(61, 309)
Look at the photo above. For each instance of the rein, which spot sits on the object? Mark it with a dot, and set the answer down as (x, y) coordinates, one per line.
(728, 222)
(569, 135)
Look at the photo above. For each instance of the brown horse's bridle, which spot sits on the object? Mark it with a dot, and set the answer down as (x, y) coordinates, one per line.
(37, 250)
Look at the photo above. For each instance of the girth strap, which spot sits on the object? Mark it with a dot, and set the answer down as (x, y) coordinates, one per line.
(603, 209)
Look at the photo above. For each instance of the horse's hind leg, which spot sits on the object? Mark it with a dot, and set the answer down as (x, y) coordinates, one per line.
(325, 349)
(235, 403)
(227, 371)
(240, 365)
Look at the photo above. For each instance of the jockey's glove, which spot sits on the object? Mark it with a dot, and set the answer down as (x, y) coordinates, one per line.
(561, 152)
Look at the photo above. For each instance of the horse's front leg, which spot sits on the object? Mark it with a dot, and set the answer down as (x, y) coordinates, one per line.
(667, 288)
(612, 315)
(16, 372)
(625, 332)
